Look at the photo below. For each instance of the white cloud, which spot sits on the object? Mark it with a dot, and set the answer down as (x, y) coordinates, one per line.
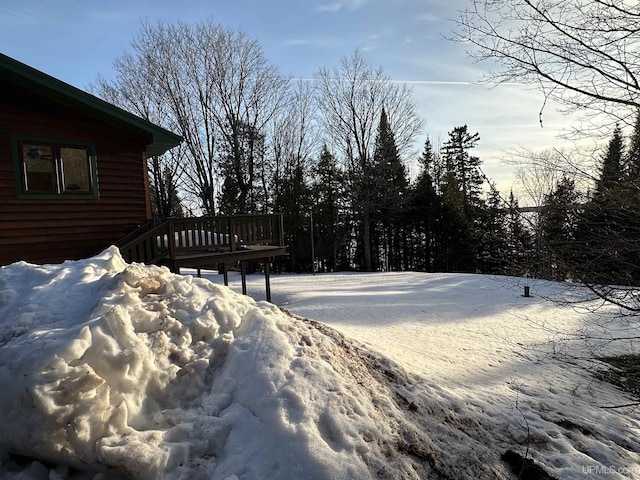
(325, 42)
(343, 5)
(331, 8)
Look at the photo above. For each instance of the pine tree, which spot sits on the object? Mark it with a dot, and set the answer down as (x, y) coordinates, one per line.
(492, 245)
(241, 166)
(632, 159)
(328, 205)
(464, 167)
(520, 241)
(427, 159)
(390, 185)
(608, 230)
(425, 212)
(611, 170)
(295, 204)
(461, 192)
(558, 228)
(456, 247)
(431, 163)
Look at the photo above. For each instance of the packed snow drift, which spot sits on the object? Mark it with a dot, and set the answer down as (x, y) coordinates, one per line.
(116, 371)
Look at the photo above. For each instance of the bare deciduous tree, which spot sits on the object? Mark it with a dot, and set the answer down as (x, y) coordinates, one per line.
(351, 98)
(584, 54)
(212, 85)
(538, 172)
(131, 90)
(247, 93)
(293, 133)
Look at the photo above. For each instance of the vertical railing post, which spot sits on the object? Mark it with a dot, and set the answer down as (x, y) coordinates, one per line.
(280, 230)
(232, 233)
(171, 237)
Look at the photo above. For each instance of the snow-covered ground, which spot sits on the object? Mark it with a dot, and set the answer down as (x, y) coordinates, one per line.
(115, 371)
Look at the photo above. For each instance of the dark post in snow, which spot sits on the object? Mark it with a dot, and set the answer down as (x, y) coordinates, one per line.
(313, 253)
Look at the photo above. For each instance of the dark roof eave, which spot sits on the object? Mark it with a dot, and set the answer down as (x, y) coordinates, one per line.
(159, 139)
(160, 145)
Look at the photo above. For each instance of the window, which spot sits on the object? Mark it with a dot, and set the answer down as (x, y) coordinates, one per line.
(55, 168)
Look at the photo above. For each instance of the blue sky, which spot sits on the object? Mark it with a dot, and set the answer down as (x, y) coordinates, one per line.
(75, 40)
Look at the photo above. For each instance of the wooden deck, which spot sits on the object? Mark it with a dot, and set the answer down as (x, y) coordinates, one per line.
(209, 243)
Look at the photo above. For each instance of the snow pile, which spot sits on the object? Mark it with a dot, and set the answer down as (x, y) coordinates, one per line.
(113, 371)
(509, 369)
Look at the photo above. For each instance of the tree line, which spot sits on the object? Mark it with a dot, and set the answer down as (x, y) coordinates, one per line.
(330, 155)
(593, 236)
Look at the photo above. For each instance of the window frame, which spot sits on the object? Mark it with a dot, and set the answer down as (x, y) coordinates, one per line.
(57, 143)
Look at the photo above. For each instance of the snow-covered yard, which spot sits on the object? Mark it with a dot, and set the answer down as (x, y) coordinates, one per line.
(114, 371)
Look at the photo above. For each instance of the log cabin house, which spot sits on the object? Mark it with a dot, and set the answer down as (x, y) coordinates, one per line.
(73, 175)
(73, 180)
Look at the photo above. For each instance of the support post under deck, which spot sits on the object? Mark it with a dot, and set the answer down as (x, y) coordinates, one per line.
(243, 274)
(267, 280)
(222, 268)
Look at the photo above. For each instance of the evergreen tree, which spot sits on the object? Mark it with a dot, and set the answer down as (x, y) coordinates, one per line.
(295, 203)
(558, 228)
(607, 249)
(632, 159)
(519, 241)
(455, 245)
(608, 231)
(350, 100)
(492, 247)
(390, 185)
(241, 167)
(464, 167)
(611, 171)
(425, 213)
(461, 192)
(453, 195)
(165, 201)
(328, 218)
(427, 161)
(432, 164)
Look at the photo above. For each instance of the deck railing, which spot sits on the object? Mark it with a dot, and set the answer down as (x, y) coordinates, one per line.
(178, 236)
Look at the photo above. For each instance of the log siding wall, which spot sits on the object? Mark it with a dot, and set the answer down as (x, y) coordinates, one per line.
(54, 230)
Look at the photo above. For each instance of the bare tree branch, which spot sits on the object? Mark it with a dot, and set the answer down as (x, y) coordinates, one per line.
(584, 54)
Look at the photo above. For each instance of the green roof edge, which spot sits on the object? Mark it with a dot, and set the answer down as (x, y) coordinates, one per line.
(160, 139)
